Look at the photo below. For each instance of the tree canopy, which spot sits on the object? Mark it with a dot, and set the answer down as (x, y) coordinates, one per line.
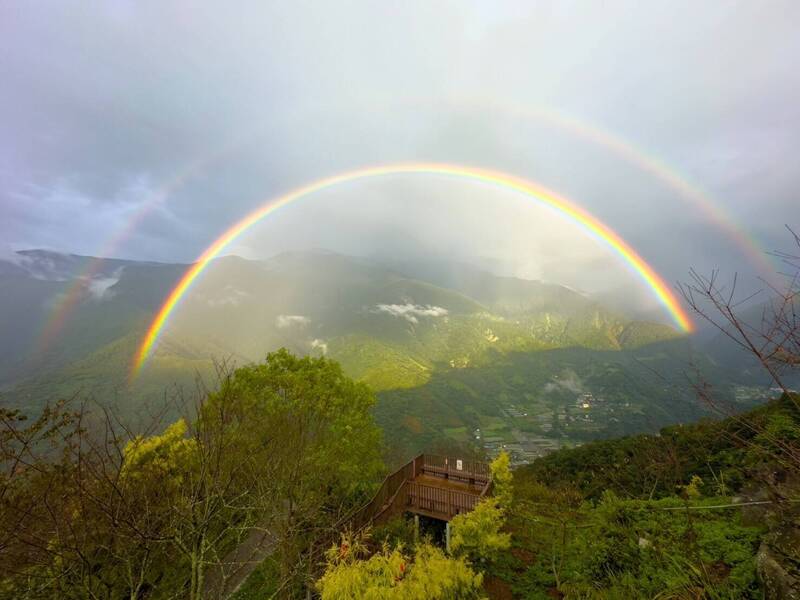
(93, 509)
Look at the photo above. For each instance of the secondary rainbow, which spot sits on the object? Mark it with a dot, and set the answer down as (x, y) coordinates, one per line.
(66, 304)
(630, 152)
(620, 147)
(568, 209)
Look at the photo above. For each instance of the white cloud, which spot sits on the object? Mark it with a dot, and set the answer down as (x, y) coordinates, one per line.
(46, 266)
(230, 296)
(410, 312)
(9, 254)
(100, 287)
(285, 321)
(321, 345)
(568, 380)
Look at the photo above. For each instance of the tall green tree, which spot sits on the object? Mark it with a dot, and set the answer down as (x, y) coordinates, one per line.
(325, 450)
(91, 509)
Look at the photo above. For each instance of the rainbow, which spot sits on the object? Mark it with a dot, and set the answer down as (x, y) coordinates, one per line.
(629, 152)
(659, 170)
(618, 146)
(571, 211)
(67, 302)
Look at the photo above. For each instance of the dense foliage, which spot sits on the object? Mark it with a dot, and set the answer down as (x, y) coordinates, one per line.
(618, 548)
(91, 510)
(651, 466)
(395, 574)
(641, 517)
(650, 516)
(288, 447)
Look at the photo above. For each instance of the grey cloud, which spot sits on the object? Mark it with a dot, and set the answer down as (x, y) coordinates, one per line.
(213, 111)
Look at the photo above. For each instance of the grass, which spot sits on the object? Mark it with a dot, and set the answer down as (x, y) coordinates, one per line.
(457, 433)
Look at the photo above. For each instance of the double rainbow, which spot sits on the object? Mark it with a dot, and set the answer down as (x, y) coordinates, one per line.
(576, 214)
(618, 146)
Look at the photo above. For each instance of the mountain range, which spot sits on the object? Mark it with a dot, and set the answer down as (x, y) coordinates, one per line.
(457, 355)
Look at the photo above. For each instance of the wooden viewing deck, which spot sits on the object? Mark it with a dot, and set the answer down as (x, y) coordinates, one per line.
(440, 487)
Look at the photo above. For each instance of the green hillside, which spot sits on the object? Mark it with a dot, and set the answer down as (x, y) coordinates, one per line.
(682, 514)
(533, 401)
(459, 357)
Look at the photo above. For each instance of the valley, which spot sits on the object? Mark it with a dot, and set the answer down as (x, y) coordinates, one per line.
(461, 360)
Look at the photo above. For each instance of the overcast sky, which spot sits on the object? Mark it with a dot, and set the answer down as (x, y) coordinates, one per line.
(180, 117)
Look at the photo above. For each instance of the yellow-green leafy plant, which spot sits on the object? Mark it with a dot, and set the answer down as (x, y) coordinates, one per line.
(477, 535)
(395, 574)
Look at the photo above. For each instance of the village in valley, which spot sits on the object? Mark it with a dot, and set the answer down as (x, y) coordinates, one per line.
(527, 435)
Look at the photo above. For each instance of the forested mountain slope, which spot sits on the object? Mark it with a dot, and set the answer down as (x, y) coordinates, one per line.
(450, 348)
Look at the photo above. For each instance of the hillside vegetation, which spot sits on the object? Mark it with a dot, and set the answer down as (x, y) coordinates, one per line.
(656, 516)
(271, 459)
(699, 511)
(448, 348)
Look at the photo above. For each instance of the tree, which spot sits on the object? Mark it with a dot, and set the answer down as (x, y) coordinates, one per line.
(772, 439)
(502, 479)
(31, 486)
(546, 519)
(77, 530)
(325, 450)
(773, 342)
(478, 534)
(91, 509)
(207, 492)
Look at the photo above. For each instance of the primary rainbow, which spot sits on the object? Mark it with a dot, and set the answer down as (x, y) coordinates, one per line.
(621, 147)
(592, 225)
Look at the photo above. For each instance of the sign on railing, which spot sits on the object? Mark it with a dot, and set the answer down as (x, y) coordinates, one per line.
(467, 471)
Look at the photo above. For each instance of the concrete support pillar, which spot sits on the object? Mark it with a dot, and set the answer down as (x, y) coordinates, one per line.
(416, 528)
(447, 536)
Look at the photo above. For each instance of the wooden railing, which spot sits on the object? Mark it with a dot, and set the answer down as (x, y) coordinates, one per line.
(382, 498)
(487, 490)
(471, 472)
(396, 506)
(399, 492)
(440, 501)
